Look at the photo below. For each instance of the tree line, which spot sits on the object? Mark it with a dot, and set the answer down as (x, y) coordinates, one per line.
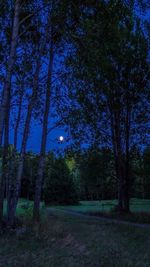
(82, 175)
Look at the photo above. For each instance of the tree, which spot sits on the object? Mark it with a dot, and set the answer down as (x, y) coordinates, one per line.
(30, 109)
(10, 66)
(59, 187)
(38, 188)
(5, 104)
(55, 42)
(108, 83)
(97, 174)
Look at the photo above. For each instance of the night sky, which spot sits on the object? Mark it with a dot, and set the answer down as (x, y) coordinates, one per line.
(34, 140)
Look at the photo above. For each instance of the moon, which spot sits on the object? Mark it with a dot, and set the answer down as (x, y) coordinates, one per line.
(61, 138)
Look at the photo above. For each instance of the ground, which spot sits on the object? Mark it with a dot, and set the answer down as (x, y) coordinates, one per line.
(75, 241)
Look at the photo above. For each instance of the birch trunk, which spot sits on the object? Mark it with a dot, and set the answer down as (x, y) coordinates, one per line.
(5, 160)
(121, 161)
(13, 200)
(11, 61)
(18, 118)
(127, 156)
(118, 156)
(10, 182)
(39, 180)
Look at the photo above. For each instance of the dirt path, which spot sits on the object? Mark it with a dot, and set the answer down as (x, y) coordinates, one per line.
(97, 218)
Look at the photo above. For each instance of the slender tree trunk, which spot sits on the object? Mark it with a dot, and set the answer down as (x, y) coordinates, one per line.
(39, 180)
(127, 156)
(4, 117)
(122, 166)
(119, 158)
(14, 194)
(116, 161)
(18, 118)
(116, 151)
(10, 182)
(14, 199)
(5, 160)
(1, 140)
(2, 194)
(11, 61)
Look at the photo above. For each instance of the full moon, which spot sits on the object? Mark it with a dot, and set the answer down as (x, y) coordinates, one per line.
(61, 138)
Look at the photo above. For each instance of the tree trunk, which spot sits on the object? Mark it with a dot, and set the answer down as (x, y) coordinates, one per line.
(4, 108)
(14, 194)
(122, 169)
(39, 180)
(119, 158)
(13, 199)
(117, 155)
(18, 118)
(127, 155)
(121, 183)
(10, 182)
(5, 160)
(1, 197)
(11, 61)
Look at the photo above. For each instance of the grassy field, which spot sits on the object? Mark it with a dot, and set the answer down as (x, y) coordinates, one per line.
(137, 205)
(140, 209)
(66, 240)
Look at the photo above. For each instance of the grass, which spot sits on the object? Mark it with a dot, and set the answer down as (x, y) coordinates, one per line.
(136, 205)
(140, 209)
(65, 240)
(24, 207)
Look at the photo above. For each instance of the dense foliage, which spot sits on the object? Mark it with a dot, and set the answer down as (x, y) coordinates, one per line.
(59, 187)
(89, 175)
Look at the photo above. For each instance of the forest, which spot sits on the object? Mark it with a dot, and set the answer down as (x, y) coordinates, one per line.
(89, 175)
(74, 131)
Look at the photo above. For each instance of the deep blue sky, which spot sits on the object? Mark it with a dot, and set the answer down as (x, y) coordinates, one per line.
(34, 140)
